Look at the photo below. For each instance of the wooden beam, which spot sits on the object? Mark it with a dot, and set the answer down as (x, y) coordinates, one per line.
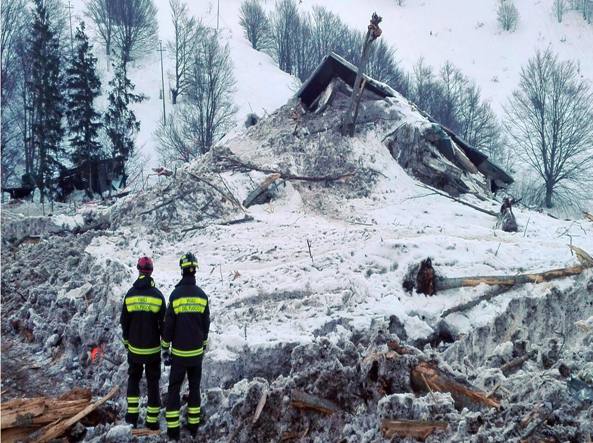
(57, 428)
(302, 400)
(260, 406)
(443, 283)
(428, 377)
(411, 428)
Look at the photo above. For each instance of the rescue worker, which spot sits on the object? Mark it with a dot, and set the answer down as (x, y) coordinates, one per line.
(186, 332)
(142, 317)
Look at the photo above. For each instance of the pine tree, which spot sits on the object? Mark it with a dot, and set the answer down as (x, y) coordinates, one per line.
(47, 100)
(83, 86)
(121, 125)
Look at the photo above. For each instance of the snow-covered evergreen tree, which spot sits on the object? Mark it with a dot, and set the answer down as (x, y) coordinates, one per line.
(121, 125)
(47, 101)
(83, 86)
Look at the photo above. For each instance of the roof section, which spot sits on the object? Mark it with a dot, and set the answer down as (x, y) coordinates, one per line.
(335, 66)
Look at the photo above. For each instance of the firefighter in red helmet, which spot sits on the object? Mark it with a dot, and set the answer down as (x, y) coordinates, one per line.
(142, 317)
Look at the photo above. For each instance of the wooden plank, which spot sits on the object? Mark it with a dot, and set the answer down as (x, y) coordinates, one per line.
(143, 432)
(20, 413)
(14, 435)
(411, 428)
(302, 400)
(35, 414)
(58, 427)
(428, 377)
(260, 406)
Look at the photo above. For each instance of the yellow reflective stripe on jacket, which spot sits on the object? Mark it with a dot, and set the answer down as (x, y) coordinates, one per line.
(192, 353)
(144, 351)
(189, 304)
(144, 303)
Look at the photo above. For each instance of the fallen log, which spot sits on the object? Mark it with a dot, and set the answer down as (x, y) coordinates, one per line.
(444, 283)
(428, 377)
(302, 400)
(57, 428)
(411, 428)
(428, 282)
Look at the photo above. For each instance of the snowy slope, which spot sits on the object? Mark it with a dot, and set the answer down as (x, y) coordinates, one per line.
(466, 32)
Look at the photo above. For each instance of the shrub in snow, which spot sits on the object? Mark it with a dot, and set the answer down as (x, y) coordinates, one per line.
(508, 15)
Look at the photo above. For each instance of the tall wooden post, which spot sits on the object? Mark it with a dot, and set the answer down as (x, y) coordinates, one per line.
(373, 33)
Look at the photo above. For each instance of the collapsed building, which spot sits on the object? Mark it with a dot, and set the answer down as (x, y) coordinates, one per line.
(313, 338)
(435, 155)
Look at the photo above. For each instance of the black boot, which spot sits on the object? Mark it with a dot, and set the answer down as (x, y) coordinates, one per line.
(173, 433)
(132, 419)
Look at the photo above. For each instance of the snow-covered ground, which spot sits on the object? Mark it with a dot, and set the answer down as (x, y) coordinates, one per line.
(266, 289)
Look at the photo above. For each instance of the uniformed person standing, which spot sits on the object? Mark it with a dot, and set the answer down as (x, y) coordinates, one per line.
(142, 317)
(186, 332)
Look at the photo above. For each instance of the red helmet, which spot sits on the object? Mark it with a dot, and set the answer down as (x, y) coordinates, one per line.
(145, 265)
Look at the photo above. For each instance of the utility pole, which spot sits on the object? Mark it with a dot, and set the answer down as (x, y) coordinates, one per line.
(217, 15)
(162, 80)
(70, 7)
(373, 33)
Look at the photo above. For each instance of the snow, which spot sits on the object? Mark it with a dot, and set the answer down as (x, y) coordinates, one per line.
(265, 288)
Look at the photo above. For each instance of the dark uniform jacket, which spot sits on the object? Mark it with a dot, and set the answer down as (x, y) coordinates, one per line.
(142, 316)
(187, 322)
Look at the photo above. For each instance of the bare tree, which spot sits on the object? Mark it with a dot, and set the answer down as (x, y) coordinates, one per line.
(382, 66)
(255, 23)
(285, 23)
(135, 31)
(187, 31)
(559, 9)
(550, 120)
(507, 15)
(101, 13)
(14, 16)
(207, 113)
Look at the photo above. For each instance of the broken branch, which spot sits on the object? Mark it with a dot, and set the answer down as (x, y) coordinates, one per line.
(245, 167)
(58, 427)
(302, 400)
(428, 377)
(411, 428)
(458, 200)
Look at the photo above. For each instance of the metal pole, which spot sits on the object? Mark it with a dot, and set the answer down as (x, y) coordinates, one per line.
(162, 81)
(217, 15)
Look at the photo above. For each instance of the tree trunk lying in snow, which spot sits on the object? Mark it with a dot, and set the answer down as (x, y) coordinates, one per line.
(411, 428)
(427, 281)
(428, 377)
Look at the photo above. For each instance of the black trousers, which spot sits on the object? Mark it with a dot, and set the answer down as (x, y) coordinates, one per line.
(179, 368)
(153, 375)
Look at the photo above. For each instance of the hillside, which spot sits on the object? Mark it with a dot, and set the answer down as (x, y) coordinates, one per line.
(463, 31)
